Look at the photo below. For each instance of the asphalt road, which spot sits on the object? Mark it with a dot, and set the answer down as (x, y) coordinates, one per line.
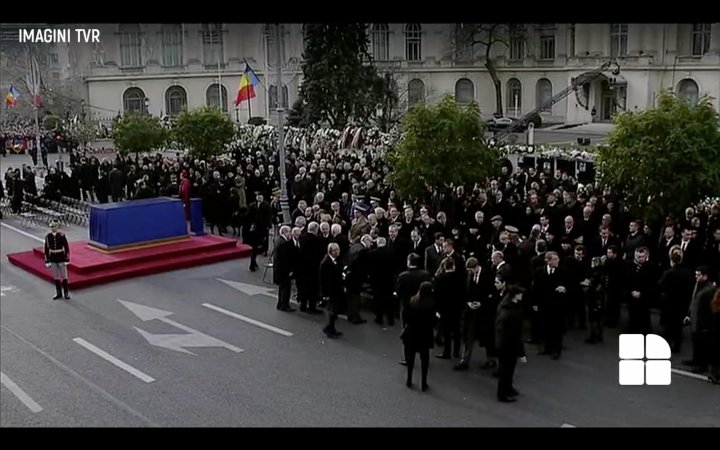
(287, 374)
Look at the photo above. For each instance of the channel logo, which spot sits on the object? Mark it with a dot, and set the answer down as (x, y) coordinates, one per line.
(644, 360)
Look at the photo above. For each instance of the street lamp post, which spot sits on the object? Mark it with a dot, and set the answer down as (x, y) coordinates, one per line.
(284, 203)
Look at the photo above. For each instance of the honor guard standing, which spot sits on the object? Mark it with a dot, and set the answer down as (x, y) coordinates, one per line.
(57, 256)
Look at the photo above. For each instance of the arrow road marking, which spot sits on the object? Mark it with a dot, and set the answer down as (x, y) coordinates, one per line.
(248, 320)
(20, 394)
(175, 342)
(250, 289)
(113, 360)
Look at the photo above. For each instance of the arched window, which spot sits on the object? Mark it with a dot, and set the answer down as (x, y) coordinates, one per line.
(544, 93)
(130, 45)
(134, 100)
(413, 42)
(380, 42)
(213, 96)
(416, 92)
(464, 91)
(272, 94)
(514, 96)
(688, 89)
(175, 100)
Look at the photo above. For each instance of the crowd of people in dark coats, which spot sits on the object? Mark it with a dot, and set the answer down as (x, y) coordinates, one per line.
(524, 246)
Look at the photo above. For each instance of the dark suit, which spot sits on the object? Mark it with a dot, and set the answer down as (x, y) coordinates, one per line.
(643, 279)
(285, 262)
(344, 243)
(450, 301)
(407, 285)
(331, 288)
(419, 249)
(417, 337)
(359, 274)
(311, 255)
(663, 252)
(472, 319)
(433, 258)
(509, 344)
(551, 306)
(692, 254)
(676, 289)
(382, 278)
(596, 247)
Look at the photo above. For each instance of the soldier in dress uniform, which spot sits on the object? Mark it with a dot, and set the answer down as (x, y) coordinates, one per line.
(57, 256)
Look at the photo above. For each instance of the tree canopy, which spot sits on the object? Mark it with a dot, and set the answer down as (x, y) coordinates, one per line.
(339, 81)
(138, 133)
(204, 131)
(441, 145)
(665, 159)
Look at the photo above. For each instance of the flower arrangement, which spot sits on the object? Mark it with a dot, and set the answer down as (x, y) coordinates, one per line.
(372, 140)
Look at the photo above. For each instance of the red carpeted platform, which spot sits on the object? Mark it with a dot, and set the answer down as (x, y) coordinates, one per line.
(89, 266)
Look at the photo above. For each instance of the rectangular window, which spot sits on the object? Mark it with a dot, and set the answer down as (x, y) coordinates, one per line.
(547, 47)
(130, 45)
(517, 49)
(212, 44)
(618, 39)
(701, 39)
(172, 45)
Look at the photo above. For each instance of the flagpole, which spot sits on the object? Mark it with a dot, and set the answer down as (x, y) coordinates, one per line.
(280, 101)
(35, 92)
(249, 109)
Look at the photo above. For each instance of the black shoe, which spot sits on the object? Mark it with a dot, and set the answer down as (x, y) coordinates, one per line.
(425, 387)
(442, 356)
(514, 393)
(438, 341)
(495, 374)
(379, 322)
(358, 321)
(489, 365)
(409, 384)
(688, 362)
(253, 269)
(287, 309)
(391, 323)
(461, 366)
(532, 341)
(714, 380)
(303, 308)
(507, 399)
(67, 296)
(544, 352)
(699, 369)
(555, 356)
(314, 311)
(590, 341)
(57, 297)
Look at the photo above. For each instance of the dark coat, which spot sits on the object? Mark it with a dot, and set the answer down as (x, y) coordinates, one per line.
(676, 288)
(312, 253)
(359, 268)
(418, 333)
(551, 304)
(508, 329)
(407, 284)
(382, 269)
(331, 282)
(432, 259)
(285, 261)
(449, 291)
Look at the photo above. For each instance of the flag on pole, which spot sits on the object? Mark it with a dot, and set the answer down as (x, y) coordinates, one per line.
(34, 82)
(248, 81)
(11, 97)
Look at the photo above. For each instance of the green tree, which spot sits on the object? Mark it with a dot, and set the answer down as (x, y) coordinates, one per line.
(665, 159)
(339, 81)
(84, 132)
(138, 133)
(204, 131)
(441, 145)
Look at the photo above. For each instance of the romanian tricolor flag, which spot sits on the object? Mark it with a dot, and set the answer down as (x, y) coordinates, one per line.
(248, 81)
(11, 97)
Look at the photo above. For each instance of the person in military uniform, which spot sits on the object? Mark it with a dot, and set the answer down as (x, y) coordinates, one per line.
(57, 256)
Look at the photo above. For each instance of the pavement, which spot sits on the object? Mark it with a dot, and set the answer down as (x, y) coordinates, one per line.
(205, 347)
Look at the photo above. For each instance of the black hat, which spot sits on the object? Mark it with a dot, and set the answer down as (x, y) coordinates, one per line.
(361, 208)
(496, 217)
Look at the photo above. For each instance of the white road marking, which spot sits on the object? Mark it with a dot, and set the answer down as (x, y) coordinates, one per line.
(248, 320)
(689, 374)
(20, 394)
(24, 233)
(7, 288)
(567, 425)
(113, 360)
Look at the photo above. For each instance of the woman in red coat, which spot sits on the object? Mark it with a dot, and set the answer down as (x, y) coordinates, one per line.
(185, 188)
